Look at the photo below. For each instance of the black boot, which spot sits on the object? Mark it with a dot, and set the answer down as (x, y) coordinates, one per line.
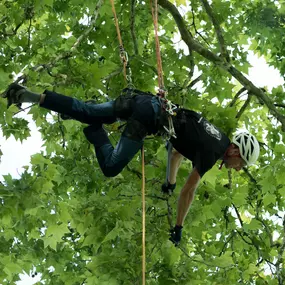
(13, 94)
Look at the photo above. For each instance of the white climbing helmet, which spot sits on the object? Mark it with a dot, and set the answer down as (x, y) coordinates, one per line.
(248, 147)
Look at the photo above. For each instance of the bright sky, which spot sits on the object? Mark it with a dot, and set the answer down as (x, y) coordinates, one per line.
(17, 154)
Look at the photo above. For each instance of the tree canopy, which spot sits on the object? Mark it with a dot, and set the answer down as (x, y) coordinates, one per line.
(77, 227)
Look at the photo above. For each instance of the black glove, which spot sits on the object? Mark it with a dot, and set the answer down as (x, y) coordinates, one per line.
(176, 234)
(168, 188)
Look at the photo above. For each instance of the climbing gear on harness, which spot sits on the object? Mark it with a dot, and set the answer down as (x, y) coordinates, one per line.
(248, 147)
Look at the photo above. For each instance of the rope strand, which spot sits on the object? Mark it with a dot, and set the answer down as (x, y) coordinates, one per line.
(143, 219)
(123, 54)
(154, 11)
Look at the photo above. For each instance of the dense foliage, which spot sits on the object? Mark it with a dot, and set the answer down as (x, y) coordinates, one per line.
(78, 227)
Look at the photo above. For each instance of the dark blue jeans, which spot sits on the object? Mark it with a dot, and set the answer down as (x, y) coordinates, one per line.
(111, 160)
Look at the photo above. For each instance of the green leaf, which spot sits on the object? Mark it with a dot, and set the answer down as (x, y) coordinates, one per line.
(51, 242)
(269, 199)
(253, 225)
(112, 234)
(57, 231)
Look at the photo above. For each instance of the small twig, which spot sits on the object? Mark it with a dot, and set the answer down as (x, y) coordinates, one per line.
(22, 110)
(237, 96)
(61, 130)
(29, 34)
(250, 177)
(192, 66)
(113, 74)
(195, 28)
(242, 237)
(238, 214)
(169, 213)
(230, 177)
(227, 242)
(200, 261)
(243, 108)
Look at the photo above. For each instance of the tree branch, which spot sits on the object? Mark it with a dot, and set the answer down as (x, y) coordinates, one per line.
(13, 33)
(279, 105)
(68, 54)
(132, 20)
(218, 30)
(227, 242)
(219, 61)
(278, 265)
(238, 215)
(243, 89)
(243, 108)
(252, 179)
(266, 229)
(145, 63)
(169, 213)
(194, 82)
(191, 72)
(196, 31)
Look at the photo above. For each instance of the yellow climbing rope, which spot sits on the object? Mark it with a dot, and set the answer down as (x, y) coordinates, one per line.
(124, 58)
(143, 220)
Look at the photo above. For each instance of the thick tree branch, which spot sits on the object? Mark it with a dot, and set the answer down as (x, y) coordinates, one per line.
(218, 30)
(219, 61)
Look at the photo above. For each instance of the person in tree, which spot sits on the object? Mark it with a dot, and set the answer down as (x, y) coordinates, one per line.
(195, 138)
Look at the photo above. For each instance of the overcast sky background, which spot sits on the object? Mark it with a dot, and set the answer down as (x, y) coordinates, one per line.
(17, 154)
